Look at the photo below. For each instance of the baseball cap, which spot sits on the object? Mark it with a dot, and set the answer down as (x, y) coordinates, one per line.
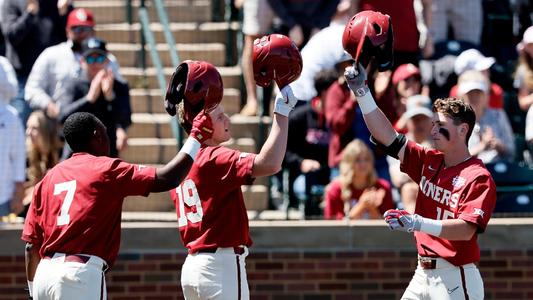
(80, 17)
(527, 38)
(416, 105)
(472, 59)
(93, 45)
(471, 80)
(405, 71)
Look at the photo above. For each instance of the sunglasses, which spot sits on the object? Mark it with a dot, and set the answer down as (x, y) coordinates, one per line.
(81, 29)
(95, 59)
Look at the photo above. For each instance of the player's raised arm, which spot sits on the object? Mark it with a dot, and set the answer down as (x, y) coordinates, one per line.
(368, 35)
(200, 94)
(275, 57)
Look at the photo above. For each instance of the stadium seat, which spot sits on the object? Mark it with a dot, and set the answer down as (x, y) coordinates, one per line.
(514, 199)
(507, 173)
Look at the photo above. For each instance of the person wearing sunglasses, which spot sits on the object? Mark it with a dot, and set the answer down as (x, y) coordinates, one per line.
(99, 93)
(63, 63)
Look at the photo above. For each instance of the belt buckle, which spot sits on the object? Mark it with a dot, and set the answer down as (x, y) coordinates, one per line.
(427, 262)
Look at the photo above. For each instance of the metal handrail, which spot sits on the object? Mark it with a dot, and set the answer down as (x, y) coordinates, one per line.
(148, 38)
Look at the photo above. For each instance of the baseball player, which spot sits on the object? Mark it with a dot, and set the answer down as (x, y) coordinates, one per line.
(72, 229)
(456, 193)
(212, 217)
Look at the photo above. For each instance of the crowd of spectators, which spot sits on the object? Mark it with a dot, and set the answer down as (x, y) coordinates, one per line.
(53, 66)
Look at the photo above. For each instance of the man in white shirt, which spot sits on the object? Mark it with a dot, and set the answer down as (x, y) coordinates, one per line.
(61, 63)
(12, 147)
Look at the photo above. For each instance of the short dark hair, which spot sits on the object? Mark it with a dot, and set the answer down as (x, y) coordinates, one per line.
(324, 79)
(458, 110)
(79, 130)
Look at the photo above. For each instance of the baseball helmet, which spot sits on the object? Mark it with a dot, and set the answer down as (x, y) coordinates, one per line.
(276, 57)
(198, 84)
(369, 34)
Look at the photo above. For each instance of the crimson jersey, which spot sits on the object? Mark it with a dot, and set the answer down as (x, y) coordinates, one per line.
(465, 191)
(76, 208)
(209, 202)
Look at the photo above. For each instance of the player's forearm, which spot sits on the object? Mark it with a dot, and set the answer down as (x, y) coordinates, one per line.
(457, 230)
(173, 173)
(380, 127)
(269, 159)
(32, 260)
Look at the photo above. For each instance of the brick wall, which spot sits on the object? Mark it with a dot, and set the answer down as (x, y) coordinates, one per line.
(289, 272)
(332, 275)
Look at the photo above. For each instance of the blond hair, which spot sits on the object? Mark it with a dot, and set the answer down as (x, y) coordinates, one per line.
(350, 154)
(43, 158)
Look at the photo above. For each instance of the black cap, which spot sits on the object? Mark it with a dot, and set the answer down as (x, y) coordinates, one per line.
(93, 45)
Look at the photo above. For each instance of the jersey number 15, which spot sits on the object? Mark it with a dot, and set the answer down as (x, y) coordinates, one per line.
(188, 194)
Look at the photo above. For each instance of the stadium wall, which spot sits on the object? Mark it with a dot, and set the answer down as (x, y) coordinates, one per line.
(315, 260)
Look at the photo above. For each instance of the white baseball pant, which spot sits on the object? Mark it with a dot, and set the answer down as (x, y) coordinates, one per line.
(216, 276)
(445, 282)
(61, 278)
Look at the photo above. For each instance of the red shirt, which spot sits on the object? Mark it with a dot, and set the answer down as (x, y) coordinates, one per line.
(209, 202)
(465, 191)
(335, 205)
(76, 208)
(495, 97)
(403, 19)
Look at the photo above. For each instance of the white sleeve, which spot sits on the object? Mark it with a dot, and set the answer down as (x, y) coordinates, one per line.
(18, 151)
(37, 84)
(9, 86)
(529, 125)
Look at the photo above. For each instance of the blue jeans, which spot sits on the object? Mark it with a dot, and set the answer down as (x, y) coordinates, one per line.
(19, 102)
(5, 208)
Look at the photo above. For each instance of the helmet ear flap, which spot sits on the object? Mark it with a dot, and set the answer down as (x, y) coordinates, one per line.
(176, 88)
(385, 55)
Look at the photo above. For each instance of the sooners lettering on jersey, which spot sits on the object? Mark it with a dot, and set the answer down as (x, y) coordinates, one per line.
(465, 191)
(209, 202)
(76, 208)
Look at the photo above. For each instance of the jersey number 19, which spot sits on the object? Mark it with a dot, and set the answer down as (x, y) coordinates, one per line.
(188, 195)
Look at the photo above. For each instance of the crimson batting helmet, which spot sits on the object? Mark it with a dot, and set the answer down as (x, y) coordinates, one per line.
(369, 34)
(198, 84)
(276, 57)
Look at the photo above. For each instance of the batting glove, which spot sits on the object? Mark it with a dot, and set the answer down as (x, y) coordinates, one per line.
(285, 101)
(357, 80)
(399, 219)
(202, 127)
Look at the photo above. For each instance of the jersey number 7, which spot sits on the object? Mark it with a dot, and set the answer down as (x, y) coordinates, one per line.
(188, 194)
(70, 188)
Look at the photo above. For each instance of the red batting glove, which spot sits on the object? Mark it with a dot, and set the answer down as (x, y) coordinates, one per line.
(202, 127)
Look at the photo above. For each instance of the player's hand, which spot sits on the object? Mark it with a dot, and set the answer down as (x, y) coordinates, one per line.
(399, 219)
(285, 101)
(309, 165)
(357, 80)
(202, 127)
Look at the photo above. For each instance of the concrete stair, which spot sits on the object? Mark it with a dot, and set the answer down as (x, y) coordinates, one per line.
(128, 54)
(231, 76)
(177, 10)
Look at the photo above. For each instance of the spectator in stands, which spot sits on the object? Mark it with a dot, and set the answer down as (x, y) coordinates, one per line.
(524, 70)
(12, 154)
(407, 82)
(300, 19)
(307, 150)
(318, 58)
(472, 59)
(257, 20)
(357, 193)
(464, 16)
(492, 138)
(29, 27)
(345, 121)
(410, 30)
(99, 93)
(416, 122)
(42, 149)
(60, 64)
